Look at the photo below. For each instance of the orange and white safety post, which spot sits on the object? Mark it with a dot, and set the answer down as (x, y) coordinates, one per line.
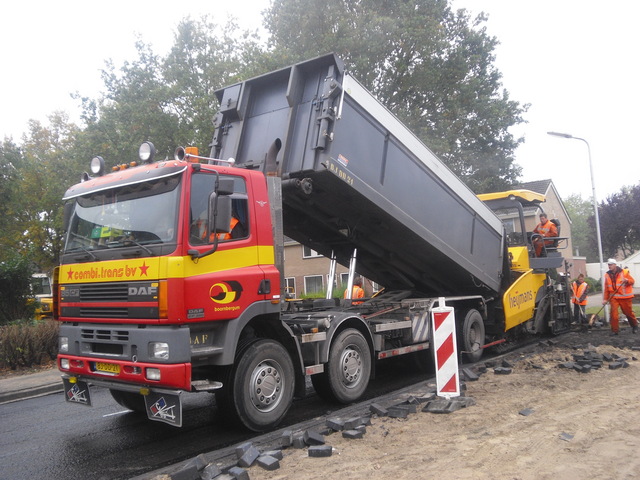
(443, 324)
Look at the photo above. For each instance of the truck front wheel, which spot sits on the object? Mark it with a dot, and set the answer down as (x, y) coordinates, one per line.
(346, 375)
(261, 385)
(472, 335)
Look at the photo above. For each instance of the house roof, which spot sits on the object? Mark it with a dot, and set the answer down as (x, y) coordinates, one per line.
(544, 187)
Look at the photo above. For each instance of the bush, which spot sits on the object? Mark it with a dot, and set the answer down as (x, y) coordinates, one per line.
(15, 288)
(28, 343)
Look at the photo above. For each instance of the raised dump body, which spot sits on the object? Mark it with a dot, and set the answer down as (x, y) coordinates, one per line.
(355, 177)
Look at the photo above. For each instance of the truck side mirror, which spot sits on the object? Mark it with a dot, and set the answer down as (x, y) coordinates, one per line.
(220, 213)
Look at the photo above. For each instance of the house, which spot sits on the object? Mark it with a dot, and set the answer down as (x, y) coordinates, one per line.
(307, 272)
(554, 208)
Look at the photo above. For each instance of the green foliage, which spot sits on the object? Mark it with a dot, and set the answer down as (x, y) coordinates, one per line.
(15, 283)
(620, 222)
(582, 233)
(28, 343)
(431, 66)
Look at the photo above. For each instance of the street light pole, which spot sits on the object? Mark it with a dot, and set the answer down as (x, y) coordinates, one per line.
(593, 192)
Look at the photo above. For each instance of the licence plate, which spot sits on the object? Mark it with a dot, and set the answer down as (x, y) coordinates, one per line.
(107, 367)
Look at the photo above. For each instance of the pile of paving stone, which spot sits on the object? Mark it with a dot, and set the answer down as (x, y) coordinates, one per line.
(590, 359)
(314, 440)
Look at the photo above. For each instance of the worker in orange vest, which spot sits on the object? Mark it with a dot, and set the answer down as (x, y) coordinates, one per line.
(357, 292)
(579, 288)
(546, 228)
(618, 291)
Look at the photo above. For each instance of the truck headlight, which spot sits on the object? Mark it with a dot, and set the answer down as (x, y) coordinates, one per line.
(64, 344)
(159, 350)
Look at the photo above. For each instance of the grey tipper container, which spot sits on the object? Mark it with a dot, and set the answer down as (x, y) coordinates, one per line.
(355, 177)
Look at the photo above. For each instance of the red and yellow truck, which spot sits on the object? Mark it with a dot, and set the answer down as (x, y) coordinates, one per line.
(172, 275)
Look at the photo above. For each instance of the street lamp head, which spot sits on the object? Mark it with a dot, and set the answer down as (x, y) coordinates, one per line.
(558, 134)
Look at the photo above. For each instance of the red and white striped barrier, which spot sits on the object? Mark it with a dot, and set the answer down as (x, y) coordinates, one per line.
(446, 350)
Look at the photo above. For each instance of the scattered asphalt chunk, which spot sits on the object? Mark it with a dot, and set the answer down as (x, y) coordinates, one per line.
(439, 405)
(277, 454)
(238, 473)
(352, 434)
(187, 472)
(249, 457)
(526, 412)
(615, 365)
(502, 370)
(607, 357)
(636, 348)
(469, 375)
(568, 365)
(464, 401)
(583, 368)
(320, 451)
(268, 462)
(482, 369)
(336, 424)
(536, 366)
(379, 410)
(507, 364)
(242, 449)
(397, 411)
(311, 437)
(298, 440)
(286, 438)
(210, 472)
(567, 437)
(352, 423)
(198, 461)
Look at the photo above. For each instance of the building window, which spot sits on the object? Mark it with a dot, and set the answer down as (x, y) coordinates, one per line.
(290, 287)
(313, 284)
(344, 278)
(309, 253)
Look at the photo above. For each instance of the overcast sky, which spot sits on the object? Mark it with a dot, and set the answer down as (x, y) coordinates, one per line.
(574, 61)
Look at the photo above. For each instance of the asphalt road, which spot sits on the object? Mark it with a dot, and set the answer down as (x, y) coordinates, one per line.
(45, 437)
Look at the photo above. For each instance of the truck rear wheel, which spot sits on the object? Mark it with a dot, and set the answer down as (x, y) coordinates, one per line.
(346, 375)
(472, 335)
(130, 400)
(261, 385)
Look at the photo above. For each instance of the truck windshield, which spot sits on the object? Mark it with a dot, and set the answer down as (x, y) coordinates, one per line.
(141, 214)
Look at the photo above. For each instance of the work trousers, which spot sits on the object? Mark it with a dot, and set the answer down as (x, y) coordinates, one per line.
(625, 306)
(579, 315)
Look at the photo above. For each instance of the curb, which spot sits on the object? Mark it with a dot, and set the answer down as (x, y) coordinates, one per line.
(31, 392)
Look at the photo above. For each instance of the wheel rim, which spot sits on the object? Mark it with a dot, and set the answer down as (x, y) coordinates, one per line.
(351, 366)
(266, 385)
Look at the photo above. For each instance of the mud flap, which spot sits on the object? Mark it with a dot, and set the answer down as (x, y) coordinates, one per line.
(164, 407)
(77, 392)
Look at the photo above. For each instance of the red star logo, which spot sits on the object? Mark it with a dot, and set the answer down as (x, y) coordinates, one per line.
(70, 273)
(143, 269)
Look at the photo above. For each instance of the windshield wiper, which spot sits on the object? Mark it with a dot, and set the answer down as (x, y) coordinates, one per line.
(127, 243)
(90, 255)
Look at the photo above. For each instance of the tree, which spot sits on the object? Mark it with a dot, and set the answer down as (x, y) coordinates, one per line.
(620, 222)
(582, 232)
(48, 167)
(431, 66)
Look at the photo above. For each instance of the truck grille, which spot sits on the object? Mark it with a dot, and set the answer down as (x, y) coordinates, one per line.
(104, 292)
(104, 334)
(106, 312)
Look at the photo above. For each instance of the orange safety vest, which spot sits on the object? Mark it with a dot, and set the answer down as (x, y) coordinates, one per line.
(357, 292)
(547, 229)
(579, 293)
(613, 287)
(226, 236)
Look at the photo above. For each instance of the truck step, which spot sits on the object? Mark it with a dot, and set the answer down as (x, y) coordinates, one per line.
(205, 351)
(205, 385)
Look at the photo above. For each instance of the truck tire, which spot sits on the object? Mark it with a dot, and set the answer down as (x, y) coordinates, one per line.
(261, 385)
(346, 375)
(130, 400)
(472, 335)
